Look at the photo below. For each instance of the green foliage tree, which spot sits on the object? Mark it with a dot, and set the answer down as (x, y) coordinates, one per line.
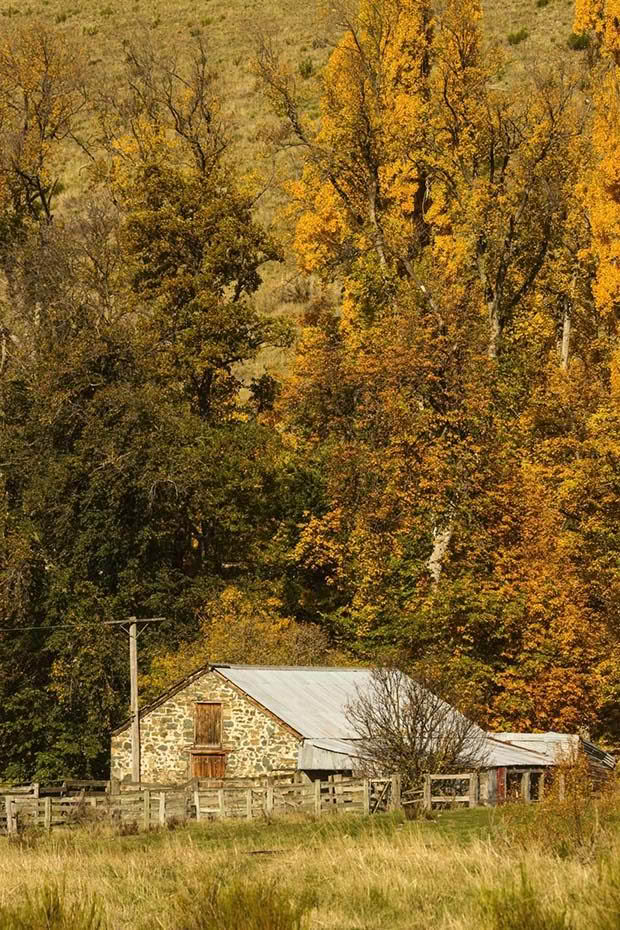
(135, 477)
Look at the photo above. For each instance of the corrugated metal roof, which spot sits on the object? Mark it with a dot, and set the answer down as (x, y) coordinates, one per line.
(327, 755)
(310, 700)
(341, 755)
(555, 746)
(502, 753)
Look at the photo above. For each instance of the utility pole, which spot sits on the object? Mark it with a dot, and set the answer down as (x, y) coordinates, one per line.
(133, 631)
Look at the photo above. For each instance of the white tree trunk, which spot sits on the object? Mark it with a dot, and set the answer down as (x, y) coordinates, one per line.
(441, 541)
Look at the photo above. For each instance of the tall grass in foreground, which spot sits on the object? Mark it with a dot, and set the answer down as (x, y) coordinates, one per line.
(341, 873)
(49, 908)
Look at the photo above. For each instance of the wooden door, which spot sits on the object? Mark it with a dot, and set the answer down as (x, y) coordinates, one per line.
(208, 765)
(208, 725)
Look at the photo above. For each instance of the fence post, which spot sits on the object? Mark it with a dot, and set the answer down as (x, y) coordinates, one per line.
(197, 803)
(541, 787)
(221, 802)
(147, 808)
(395, 799)
(47, 813)
(162, 809)
(248, 803)
(11, 825)
(366, 795)
(317, 797)
(427, 798)
(35, 789)
(561, 786)
(473, 789)
(269, 799)
(525, 787)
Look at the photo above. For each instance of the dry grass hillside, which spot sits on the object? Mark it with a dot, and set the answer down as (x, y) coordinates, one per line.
(533, 34)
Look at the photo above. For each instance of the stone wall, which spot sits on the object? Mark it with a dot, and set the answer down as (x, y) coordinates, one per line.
(257, 743)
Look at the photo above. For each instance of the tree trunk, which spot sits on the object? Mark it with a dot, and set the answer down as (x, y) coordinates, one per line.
(377, 231)
(566, 331)
(495, 329)
(441, 541)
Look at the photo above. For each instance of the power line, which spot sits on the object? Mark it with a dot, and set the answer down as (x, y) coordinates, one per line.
(52, 626)
(64, 626)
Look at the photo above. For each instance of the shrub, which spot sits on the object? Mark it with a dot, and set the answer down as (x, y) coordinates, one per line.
(306, 67)
(541, 3)
(297, 290)
(569, 822)
(48, 909)
(578, 41)
(515, 37)
(128, 828)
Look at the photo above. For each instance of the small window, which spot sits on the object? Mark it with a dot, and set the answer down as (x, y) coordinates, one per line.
(208, 724)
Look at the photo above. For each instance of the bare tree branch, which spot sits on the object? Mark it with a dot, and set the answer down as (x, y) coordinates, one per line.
(405, 727)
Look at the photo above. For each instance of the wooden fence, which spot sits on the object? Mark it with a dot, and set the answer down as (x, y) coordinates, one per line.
(443, 790)
(355, 795)
(471, 789)
(202, 801)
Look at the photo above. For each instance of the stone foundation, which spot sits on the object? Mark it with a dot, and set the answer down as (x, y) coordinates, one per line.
(255, 742)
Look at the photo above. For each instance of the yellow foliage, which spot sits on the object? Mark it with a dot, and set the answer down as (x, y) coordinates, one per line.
(241, 627)
(41, 93)
(601, 191)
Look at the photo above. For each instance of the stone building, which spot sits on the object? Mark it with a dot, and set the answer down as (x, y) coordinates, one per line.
(242, 721)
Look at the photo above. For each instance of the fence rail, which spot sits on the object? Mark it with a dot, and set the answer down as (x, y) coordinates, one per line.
(150, 807)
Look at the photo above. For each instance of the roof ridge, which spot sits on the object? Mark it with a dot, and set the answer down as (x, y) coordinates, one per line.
(297, 668)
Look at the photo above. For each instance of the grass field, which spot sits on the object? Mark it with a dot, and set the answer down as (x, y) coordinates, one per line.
(475, 870)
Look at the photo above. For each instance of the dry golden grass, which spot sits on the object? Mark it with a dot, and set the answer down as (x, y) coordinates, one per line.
(462, 873)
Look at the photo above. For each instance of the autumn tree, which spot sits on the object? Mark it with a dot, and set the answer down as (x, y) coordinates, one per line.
(422, 396)
(42, 79)
(195, 252)
(247, 626)
(600, 18)
(451, 219)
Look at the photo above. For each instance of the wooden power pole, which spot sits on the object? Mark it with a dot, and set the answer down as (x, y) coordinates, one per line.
(133, 631)
(135, 711)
